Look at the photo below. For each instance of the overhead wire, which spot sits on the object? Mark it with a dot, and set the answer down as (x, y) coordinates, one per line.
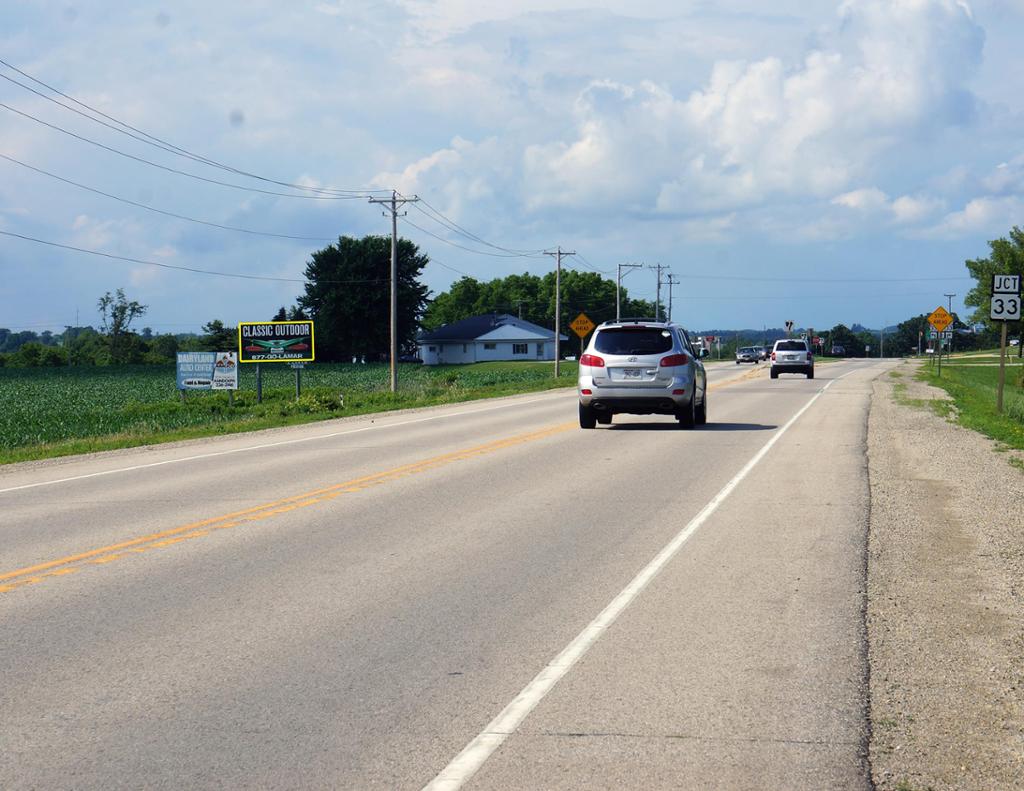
(193, 269)
(438, 217)
(125, 154)
(145, 137)
(163, 211)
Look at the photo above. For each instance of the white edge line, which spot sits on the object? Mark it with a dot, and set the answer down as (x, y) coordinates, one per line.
(266, 445)
(464, 765)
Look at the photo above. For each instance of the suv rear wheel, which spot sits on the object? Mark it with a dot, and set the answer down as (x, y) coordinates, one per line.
(702, 413)
(587, 417)
(687, 416)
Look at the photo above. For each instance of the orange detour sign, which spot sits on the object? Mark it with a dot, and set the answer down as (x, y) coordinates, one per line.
(940, 318)
(582, 325)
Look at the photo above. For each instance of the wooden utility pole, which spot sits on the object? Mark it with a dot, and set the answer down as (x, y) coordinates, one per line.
(558, 253)
(392, 209)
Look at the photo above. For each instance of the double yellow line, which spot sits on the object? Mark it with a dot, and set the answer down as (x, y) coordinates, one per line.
(70, 564)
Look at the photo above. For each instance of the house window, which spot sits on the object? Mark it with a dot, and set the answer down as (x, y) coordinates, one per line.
(490, 346)
(465, 348)
(432, 348)
(520, 348)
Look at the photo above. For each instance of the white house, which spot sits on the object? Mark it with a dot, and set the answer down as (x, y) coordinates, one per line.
(494, 336)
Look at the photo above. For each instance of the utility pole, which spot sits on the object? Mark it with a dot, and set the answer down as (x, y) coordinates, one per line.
(672, 281)
(657, 298)
(618, 287)
(559, 252)
(392, 209)
(953, 334)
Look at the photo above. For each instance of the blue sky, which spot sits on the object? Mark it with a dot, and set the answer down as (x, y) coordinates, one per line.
(880, 141)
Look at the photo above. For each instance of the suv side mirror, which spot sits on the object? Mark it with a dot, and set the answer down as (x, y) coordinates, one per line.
(703, 353)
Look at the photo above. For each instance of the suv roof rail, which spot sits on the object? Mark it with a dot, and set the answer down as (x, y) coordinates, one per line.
(634, 320)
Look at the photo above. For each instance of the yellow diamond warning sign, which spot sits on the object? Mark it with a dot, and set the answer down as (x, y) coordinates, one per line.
(582, 325)
(940, 318)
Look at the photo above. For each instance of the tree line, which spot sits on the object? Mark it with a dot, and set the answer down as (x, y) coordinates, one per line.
(347, 293)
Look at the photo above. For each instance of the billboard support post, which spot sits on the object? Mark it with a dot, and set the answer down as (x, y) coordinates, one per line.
(259, 385)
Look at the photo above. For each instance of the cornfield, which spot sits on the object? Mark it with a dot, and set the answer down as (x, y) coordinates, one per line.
(42, 406)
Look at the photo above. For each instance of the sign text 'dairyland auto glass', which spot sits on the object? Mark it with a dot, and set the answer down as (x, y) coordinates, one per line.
(275, 341)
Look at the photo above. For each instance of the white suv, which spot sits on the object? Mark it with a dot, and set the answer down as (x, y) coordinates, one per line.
(642, 367)
(792, 356)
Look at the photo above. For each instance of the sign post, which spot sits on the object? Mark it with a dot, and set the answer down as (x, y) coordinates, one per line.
(275, 342)
(939, 319)
(1005, 308)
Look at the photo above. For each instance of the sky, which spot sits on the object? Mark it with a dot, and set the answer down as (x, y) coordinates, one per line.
(820, 162)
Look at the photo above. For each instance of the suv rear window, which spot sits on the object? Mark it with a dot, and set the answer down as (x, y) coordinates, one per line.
(633, 340)
(790, 346)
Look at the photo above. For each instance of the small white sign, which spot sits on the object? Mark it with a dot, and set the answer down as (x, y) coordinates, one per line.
(1006, 284)
(1005, 307)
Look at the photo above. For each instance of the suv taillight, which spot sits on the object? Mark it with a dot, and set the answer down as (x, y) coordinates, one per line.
(592, 360)
(673, 360)
(773, 356)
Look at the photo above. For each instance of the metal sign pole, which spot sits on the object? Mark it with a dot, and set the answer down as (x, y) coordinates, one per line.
(259, 385)
(298, 383)
(1002, 370)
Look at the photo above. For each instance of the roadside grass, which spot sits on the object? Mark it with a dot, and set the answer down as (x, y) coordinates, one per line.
(973, 390)
(61, 411)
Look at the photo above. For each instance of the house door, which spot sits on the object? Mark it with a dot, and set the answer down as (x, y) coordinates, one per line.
(540, 351)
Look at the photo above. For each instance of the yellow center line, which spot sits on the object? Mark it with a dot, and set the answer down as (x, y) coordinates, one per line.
(31, 574)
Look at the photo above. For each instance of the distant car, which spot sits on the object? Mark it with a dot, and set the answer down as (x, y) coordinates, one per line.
(641, 367)
(838, 351)
(792, 356)
(746, 354)
(762, 352)
(410, 358)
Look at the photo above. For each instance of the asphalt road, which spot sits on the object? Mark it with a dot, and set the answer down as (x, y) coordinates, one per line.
(354, 604)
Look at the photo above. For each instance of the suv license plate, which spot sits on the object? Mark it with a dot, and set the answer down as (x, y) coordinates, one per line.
(631, 373)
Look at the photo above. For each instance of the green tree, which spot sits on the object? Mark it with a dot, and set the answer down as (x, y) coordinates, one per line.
(533, 298)
(116, 316)
(841, 335)
(218, 338)
(281, 315)
(348, 296)
(1006, 257)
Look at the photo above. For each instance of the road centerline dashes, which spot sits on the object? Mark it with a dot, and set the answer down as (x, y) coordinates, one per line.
(36, 573)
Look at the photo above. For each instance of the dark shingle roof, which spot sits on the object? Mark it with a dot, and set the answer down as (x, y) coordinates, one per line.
(472, 328)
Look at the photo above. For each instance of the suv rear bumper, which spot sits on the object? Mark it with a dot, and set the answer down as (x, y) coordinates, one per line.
(792, 368)
(637, 400)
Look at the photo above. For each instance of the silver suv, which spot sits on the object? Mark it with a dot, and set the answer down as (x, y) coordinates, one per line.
(792, 356)
(642, 367)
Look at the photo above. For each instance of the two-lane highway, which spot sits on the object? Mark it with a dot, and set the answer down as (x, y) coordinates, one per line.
(355, 604)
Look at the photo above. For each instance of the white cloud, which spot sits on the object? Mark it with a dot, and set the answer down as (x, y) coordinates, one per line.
(870, 199)
(980, 215)
(914, 208)
(755, 131)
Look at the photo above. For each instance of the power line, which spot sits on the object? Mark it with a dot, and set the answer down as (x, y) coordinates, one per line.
(152, 140)
(180, 268)
(163, 211)
(440, 218)
(745, 278)
(175, 170)
(459, 246)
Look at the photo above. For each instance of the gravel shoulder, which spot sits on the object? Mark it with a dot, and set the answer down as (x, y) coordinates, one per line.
(945, 614)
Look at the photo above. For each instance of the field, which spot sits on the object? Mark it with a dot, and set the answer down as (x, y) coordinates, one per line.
(972, 381)
(59, 411)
